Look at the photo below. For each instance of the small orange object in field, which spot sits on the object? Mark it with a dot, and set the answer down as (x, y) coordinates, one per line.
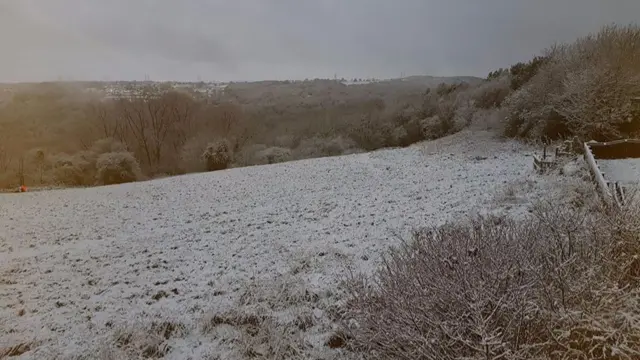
(23, 188)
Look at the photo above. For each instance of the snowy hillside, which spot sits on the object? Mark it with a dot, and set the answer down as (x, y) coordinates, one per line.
(78, 267)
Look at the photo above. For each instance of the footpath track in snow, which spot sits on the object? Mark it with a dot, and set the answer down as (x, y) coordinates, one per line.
(79, 261)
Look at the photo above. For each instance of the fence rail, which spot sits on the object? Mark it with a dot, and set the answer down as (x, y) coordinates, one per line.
(612, 191)
(603, 186)
(618, 149)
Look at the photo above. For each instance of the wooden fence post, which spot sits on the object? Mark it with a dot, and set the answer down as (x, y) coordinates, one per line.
(593, 167)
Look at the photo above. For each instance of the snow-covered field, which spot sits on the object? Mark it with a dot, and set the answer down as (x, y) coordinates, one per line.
(178, 265)
(626, 171)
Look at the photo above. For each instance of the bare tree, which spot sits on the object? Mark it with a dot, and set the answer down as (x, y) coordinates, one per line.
(40, 162)
(182, 110)
(134, 115)
(231, 124)
(21, 170)
(104, 123)
(158, 123)
(596, 102)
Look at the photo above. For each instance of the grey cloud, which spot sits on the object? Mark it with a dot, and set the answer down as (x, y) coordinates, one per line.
(259, 39)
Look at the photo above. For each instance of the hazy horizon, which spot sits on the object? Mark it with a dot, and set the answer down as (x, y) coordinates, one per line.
(252, 40)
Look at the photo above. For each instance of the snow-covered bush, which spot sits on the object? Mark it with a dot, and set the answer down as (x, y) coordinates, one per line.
(436, 127)
(69, 175)
(260, 154)
(560, 284)
(66, 172)
(597, 101)
(446, 110)
(489, 119)
(287, 141)
(491, 93)
(274, 155)
(117, 168)
(81, 168)
(371, 133)
(586, 88)
(107, 145)
(521, 73)
(218, 155)
(319, 147)
(247, 156)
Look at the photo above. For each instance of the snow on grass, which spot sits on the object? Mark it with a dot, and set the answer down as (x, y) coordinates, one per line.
(626, 171)
(232, 264)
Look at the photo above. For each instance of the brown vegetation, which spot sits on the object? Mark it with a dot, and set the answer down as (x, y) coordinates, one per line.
(61, 132)
(590, 88)
(563, 284)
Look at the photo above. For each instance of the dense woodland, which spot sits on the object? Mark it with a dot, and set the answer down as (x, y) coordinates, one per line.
(55, 134)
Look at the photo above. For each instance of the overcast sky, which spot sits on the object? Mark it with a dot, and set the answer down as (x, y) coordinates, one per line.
(280, 39)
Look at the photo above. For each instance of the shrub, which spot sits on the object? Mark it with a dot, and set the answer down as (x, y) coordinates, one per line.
(584, 89)
(444, 89)
(149, 337)
(497, 74)
(561, 284)
(64, 171)
(60, 159)
(36, 161)
(287, 141)
(596, 102)
(247, 156)
(446, 110)
(527, 111)
(491, 93)
(436, 127)
(464, 112)
(68, 174)
(260, 154)
(409, 133)
(372, 132)
(489, 119)
(117, 168)
(406, 128)
(217, 155)
(521, 73)
(429, 106)
(80, 168)
(191, 158)
(274, 155)
(107, 145)
(319, 147)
